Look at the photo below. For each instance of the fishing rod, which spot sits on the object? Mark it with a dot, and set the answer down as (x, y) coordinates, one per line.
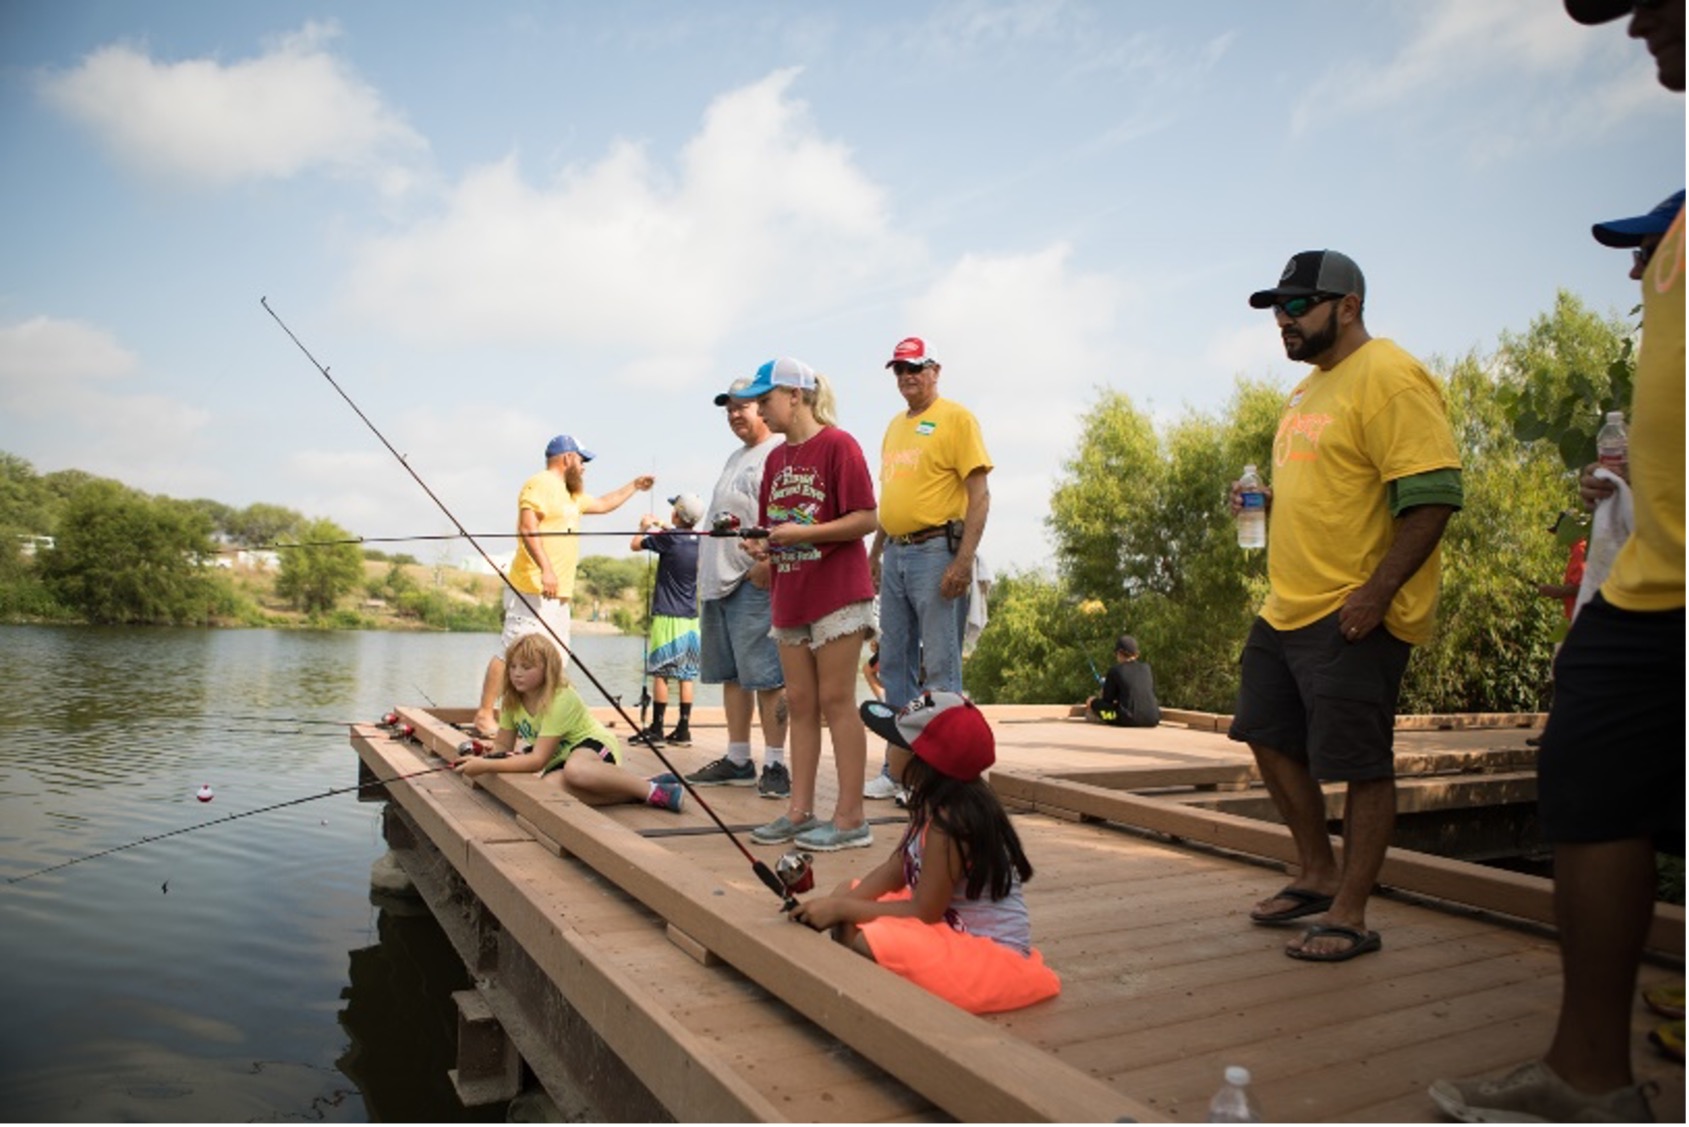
(759, 867)
(447, 766)
(719, 530)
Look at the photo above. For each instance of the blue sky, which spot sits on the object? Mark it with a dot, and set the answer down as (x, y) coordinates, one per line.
(499, 221)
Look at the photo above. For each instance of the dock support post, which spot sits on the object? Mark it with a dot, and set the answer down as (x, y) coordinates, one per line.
(489, 1069)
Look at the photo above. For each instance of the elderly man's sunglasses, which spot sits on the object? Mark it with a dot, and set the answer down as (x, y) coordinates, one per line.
(1294, 307)
(902, 369)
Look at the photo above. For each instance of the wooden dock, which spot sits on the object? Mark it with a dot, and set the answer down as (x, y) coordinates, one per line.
(633, 955)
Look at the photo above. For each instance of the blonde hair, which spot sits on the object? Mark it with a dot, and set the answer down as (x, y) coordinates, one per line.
(823, 404)
(535, 649)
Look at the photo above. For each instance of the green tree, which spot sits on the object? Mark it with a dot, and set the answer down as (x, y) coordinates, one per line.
(604, 579)
(1558, 379)
(263, 523)
(314, 576)
(124, 557)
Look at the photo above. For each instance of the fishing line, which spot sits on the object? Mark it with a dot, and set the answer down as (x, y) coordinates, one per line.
(760, 868)
(219, 821)
(279, 545)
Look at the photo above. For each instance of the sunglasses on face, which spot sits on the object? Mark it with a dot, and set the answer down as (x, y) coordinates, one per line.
(1294, 307)
(902, 369)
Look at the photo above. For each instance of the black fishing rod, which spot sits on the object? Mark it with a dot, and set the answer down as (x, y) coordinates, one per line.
(719, 530)
(219, 821)
(763, 872)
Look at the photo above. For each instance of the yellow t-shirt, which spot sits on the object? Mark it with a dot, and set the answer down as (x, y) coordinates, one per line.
(924, 465)
(1344, 436)
(1647, 575)
(549, 498)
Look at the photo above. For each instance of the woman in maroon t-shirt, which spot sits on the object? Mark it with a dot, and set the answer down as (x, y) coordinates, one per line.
(818, 505)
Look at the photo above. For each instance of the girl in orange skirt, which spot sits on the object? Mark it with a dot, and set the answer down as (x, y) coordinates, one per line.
(945, 910)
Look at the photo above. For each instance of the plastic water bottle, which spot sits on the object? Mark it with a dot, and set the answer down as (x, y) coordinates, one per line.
(1233, 1103)
(1252, 518)
(1612, 444)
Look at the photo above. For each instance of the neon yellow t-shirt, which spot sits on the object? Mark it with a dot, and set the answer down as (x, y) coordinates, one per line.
(1344, 436)
(566, 718)
(924, 465)
(1647, 575)
(549, 498)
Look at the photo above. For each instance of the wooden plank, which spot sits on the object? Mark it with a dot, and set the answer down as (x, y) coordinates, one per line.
(961, 1063)
(1515, 894)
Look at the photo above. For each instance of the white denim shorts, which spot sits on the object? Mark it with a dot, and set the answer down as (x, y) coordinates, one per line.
(852, 618)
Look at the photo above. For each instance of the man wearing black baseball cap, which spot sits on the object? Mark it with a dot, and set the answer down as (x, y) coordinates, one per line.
(1365, 478)
(1610, 773)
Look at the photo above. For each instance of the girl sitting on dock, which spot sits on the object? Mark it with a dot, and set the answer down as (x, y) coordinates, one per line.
(542, 710)
(945, 910)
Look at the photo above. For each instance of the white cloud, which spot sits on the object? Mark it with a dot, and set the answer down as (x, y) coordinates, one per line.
(293, 109)
(61, 390)
(763, 216)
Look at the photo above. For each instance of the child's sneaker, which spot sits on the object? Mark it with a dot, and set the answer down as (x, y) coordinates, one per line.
(775, 782)
(783, 829)
(1533, 1093)
(668, 778)
(651, 736)
(680, 737)
(666, 796)
(828, 838)
(724, 772)
(881, 786)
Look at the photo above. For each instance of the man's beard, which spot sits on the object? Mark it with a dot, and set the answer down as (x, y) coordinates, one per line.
(1315, 344)
(575, 478)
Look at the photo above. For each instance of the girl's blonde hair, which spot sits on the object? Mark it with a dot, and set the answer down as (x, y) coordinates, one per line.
(535, 649)
(822, 403)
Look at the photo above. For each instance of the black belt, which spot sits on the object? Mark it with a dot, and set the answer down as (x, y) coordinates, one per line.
(920, 536)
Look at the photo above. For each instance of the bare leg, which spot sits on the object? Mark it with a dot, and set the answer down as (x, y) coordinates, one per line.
(486, 715)
(1603, 903)
(802, 689)
(659, 691)
(738, 705)
(771, 703)
(685, 692)
(597, 783)
(836, 663)
(1369, 818)
(1302, 806)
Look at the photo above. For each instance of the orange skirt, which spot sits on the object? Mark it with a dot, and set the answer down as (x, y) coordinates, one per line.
(978, 974)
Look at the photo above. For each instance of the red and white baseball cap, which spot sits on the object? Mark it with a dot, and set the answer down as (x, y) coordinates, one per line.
(910, 350)
(944, 729)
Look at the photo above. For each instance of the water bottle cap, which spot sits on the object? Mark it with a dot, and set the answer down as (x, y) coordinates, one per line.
(1237, 1075)
(1249, 468)
(1615, 416)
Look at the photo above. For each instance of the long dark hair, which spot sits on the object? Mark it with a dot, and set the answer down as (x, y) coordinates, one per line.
(975, 820)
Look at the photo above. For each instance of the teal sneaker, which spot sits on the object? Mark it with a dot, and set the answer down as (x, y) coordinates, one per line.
(666, 796)
(783, 829)
(828, 838)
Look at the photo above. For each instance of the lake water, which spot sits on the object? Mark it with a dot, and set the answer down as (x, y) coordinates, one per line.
(240, 971)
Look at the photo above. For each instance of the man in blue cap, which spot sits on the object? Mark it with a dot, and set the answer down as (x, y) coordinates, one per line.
(1641, 233)
(549, 507)
(1610, 775)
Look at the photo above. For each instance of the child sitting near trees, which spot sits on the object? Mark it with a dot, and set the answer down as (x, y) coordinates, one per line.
(945, 910)
(1127, 699)
(543, 712)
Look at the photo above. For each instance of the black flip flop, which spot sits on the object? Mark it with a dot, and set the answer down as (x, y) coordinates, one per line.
(1308, 903)
(1360, 942)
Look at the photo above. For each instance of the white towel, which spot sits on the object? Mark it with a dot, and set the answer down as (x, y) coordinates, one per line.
(978, 615)
(1615, 516)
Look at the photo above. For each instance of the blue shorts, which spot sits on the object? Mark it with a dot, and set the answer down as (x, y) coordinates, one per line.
(1320, 699)
(735, 642)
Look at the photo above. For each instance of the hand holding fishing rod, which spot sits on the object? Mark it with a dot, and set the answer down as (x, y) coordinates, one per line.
(760, 868)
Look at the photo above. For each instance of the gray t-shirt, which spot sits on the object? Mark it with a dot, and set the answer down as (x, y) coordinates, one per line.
(723, 561)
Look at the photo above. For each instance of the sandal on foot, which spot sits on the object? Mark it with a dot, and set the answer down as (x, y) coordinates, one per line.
(1665, 998)
(1360, 942)
(1307, 903)
(1668, 1038)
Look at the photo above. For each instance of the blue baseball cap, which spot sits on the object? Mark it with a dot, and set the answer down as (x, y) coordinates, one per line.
(1630, 232)
(566, 444)
(784, 372)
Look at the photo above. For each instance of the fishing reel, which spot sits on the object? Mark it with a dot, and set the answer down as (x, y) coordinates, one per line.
(796, 871)
(726, 524)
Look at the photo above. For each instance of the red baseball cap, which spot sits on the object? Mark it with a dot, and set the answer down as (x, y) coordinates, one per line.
(945, 730)
(910, 350)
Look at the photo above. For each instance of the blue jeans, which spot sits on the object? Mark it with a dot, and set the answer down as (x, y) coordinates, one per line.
(917, 624)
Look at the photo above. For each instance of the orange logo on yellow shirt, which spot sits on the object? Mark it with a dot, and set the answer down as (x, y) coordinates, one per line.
(1296, 426)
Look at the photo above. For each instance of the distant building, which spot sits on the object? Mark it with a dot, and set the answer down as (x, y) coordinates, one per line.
(478, 566)
(28, 545)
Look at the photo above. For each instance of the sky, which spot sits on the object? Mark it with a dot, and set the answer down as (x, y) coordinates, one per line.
(501, 221)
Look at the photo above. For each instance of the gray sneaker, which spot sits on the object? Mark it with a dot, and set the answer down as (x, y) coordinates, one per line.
(880, 787)
(724, 772)
(783, 829)
(1532, 1093)
(776, 781)
(828, 838)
